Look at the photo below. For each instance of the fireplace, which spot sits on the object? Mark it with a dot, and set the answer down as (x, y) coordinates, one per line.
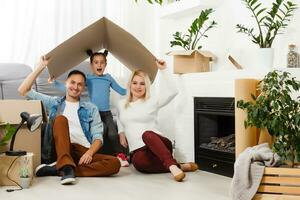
(214, 134)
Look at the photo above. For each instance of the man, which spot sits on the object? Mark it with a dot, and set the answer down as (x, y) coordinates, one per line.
(77, 130)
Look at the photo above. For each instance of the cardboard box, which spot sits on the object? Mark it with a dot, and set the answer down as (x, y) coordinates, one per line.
(25, 140)
(191, 61)
(11, 166)
(102, 34)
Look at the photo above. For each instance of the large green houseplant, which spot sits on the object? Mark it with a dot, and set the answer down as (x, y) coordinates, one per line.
(197, 30)
(277, 110)
(269, 23)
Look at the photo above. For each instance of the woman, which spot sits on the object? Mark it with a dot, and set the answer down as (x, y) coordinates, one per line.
(137, 124)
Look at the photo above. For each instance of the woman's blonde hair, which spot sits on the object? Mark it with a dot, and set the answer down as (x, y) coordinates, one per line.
(147, 85)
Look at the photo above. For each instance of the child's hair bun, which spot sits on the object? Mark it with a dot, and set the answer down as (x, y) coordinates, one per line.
(105, 52)
(89, 52)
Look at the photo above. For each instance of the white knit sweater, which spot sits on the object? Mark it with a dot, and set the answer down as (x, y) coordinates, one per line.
(141, 115)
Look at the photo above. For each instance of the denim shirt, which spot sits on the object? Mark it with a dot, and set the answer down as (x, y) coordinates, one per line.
(88, 114)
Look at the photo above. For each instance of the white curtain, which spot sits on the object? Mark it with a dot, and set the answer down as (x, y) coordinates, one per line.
(31, 28)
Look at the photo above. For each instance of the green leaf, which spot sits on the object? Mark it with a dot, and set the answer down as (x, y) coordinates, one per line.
(260, 12)
(8, 133)
(252, 2)
(257, 6)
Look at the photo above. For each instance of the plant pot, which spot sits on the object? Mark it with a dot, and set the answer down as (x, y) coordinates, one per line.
(263, 59)
(265, 137)
(25, 182)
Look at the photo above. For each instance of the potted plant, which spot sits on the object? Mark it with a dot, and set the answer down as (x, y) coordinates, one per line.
(25, 178)
(5, 136)
(192, 58)
(269, 22)
(276, 110)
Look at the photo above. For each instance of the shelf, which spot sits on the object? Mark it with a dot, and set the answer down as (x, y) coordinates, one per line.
(185, 7)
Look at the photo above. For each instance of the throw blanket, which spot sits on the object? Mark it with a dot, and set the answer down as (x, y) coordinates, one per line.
(248, 170)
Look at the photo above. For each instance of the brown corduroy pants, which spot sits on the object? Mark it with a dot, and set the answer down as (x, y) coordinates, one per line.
(70, 154)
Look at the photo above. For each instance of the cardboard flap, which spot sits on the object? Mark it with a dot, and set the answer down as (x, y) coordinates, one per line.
(208, 54)
(102, 34)
(73, 51)
(10, 110)
(128, 50)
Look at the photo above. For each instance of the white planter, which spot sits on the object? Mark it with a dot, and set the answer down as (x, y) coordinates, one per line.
(25, 182)
(256, 59)
(262, 59)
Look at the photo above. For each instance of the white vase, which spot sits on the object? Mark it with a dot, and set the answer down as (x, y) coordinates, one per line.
(25, 182)
(263, 59)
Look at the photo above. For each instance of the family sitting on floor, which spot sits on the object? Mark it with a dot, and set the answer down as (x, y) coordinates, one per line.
(76, 126)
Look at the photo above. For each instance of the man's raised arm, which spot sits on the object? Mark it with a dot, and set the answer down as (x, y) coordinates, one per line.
(29, 80)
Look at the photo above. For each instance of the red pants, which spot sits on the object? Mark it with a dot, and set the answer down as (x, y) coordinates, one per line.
(155, 156)
(70, 154)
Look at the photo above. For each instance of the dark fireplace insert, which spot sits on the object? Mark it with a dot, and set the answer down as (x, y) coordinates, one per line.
(214, 130)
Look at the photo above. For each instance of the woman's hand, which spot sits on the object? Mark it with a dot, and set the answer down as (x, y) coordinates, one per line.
(51, 79)
(123, 139)
(86, 158)
(161, 64)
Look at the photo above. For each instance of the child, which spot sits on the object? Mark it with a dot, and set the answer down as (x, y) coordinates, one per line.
(99, 85)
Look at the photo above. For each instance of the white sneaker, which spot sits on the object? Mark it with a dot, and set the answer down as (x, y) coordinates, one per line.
(123, 160)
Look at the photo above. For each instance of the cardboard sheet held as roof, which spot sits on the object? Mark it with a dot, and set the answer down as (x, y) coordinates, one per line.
(102, 34)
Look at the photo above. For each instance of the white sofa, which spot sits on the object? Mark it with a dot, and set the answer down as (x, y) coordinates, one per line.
(11, 76)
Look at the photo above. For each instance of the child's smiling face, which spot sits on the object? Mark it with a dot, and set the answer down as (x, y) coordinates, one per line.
(98, 65)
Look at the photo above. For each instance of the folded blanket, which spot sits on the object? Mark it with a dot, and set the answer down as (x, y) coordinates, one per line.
(248, 170)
